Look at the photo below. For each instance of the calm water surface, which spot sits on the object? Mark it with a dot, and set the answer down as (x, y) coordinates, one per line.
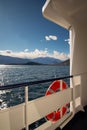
(11, 74)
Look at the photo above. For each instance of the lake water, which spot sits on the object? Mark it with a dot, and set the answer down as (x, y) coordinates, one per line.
(13, 74)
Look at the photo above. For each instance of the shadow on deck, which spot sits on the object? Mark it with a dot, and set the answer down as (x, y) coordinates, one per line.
(79, 122)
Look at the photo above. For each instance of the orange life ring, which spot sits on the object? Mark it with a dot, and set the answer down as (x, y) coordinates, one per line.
(56, 86)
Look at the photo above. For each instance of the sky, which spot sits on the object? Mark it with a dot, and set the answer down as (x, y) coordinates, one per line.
(25, 33)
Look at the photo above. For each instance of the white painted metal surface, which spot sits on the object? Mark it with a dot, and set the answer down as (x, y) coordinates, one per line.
(52, 126)
(41, 107)
(22, 115)
(71, 14)
(66, 13)
(26, 107)
(13, 118)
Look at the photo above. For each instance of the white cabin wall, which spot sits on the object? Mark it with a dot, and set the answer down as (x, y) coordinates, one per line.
(79, 57)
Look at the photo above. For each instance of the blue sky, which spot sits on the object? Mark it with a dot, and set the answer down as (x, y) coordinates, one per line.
(24, 32)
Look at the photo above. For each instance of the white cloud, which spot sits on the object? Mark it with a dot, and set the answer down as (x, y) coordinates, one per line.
(26, 50)
(51, 37)
(47, 38)
(5, 52)
(8, 51)
(61, 56)
(34, 54)
(67, 40)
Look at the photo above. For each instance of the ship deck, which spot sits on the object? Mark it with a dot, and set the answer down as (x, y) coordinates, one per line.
(79, 122)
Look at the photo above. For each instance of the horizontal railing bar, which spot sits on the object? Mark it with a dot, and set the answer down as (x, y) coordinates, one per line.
(12, 86)
(35, 107)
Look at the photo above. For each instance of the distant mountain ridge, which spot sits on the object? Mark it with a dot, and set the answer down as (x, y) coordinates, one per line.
(8, 60)
(46, 60)
(12, 60)
(65, 63)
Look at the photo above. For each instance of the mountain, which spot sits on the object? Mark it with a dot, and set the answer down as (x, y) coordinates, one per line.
(8, 60)
(32, 63)
(65, 63)
(12, 60)
(46, 60)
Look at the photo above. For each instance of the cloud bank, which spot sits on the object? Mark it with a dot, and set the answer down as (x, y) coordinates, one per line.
(34, 54)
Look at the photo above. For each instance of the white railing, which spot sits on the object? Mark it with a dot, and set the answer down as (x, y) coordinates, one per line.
(21, 116)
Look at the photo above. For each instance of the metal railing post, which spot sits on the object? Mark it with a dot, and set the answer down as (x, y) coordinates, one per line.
(26, 107)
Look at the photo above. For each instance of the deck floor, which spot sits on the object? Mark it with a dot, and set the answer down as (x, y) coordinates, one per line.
(79, 122)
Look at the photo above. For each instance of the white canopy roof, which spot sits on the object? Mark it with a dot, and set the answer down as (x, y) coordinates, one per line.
(66, 12)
